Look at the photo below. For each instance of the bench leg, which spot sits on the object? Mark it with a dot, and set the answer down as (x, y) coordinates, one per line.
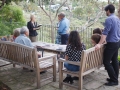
(14, 65)
(80, 82)
(38, 79)
(54, 69)
(60, 75)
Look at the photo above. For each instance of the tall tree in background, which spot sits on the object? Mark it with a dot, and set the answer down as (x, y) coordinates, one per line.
(49, 14)
(119, 10)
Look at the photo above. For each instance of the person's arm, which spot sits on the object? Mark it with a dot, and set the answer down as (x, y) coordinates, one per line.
(28, 25)
(66, 57)
(36, 27)
(103, 38)
(105, 33)
(67, 52)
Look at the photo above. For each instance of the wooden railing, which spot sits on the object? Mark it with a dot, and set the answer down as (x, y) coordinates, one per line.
(45, 35)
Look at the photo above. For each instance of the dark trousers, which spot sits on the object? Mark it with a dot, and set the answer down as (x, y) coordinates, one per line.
(64, 39)
(110, 60)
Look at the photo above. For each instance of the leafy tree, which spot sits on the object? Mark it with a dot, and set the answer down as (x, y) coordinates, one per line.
(11, 17)
(12, 12)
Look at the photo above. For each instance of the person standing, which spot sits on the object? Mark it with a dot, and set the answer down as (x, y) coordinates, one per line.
(32, 26)
(111, 33)
(58, 36)
(63, 28)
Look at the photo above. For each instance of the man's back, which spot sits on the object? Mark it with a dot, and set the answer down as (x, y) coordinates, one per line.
(63, 26)
(22, 39)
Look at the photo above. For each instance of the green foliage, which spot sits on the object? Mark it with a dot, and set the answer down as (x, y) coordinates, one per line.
(119, 58)
(6, 28)
(11, 17)
(16, 1)
(78, 11)
(12, 12)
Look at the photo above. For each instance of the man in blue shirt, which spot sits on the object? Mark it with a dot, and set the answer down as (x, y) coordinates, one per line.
(23, 38)
(63, 28)
(111, 34)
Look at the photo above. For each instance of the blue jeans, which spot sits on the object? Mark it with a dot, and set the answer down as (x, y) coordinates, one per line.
(71, 67)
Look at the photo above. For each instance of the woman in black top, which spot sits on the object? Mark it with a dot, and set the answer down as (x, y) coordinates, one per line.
(32, 26)
(73, 53)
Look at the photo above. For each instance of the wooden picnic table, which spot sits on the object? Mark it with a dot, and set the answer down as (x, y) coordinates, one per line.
(50, 47)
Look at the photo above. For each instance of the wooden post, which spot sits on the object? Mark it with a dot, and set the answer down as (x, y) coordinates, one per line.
(60, 75)
(54, 69)
(83, 60)
(119, 10)
(108, 1)
(37, 68)
(52, 33)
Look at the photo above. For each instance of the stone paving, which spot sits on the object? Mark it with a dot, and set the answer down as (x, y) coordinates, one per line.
(19, 79)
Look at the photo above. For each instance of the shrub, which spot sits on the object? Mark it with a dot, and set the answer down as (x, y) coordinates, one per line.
(11, 17)
(7, 27)
(12, 12)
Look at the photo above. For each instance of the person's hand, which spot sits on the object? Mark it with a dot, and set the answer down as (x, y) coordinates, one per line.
(39, 55)
(38, 28)
(97, 46)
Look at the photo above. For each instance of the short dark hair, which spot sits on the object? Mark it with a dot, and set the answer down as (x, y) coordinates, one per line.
(97, 31)
(96, 38)
(110, 7)
(61, 14)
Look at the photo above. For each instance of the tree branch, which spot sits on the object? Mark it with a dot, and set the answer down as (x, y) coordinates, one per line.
(59, 9)
(2, 4)
(41, 6)
(93, 20)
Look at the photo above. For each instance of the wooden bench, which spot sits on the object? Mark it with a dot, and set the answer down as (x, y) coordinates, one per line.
(28, 58)
(90, 60)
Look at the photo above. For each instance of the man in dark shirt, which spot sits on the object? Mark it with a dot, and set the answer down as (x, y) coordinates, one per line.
(111, 34)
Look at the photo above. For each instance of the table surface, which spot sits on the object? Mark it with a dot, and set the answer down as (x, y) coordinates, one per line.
(50, 46)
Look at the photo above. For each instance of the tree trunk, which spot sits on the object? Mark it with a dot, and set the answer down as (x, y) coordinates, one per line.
(108, 1)
(52, 32)
(119, 10)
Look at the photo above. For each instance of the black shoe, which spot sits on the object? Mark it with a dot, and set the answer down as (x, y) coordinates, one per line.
(108, 79)
(31, 70)
(71, 80)
(43, 72)
(66, 80)
(111, 83)
(75, 78)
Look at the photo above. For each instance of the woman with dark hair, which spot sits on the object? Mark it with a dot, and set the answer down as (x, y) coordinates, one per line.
(73, 53)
